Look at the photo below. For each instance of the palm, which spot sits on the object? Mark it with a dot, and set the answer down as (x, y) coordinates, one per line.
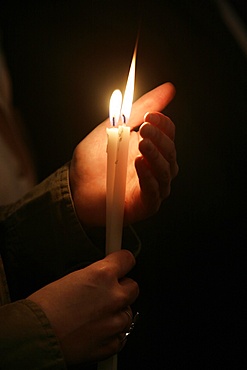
(88, 167)
(91, 171)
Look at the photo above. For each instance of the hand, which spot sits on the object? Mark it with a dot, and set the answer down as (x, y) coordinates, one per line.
(151, 163)
(87, 308)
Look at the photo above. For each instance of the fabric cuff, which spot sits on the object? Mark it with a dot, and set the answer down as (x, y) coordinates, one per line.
(27, 339)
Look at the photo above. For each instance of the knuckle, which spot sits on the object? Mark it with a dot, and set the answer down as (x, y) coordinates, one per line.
(126, 297)
(129, 256)
(135, 289)
(105, 273)
(121, 299)
(119, 322)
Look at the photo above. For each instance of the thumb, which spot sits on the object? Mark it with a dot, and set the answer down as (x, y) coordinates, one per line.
(155, 100)
(121, 262)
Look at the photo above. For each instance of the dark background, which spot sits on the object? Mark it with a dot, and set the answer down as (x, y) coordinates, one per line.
(66, 58)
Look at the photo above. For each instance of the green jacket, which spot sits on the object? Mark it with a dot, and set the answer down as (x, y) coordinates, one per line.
(41, 240)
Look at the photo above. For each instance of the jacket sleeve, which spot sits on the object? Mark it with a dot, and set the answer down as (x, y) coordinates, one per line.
(27, 340)
(41, 238)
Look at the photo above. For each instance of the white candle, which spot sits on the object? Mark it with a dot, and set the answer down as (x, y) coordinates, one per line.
(117, 158)
(113, 146)
(117, 161)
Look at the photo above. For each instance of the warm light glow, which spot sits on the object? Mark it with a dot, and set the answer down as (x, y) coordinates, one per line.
(116, 98)
(115, 107)
(129, 91)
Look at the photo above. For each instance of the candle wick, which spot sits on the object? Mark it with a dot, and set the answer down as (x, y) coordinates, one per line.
(124, 119)
(113, 121)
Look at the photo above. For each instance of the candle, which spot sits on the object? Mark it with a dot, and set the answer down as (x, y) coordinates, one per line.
(117, 159)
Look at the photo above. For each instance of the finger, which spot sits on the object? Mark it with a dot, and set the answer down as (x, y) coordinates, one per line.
(149, 187)
(125, 315)
(112, 346)
(155, 100)
(128, 317)
(120, 322)
(161, 144)
(162, 122)
(121, 262)
(158, 165)
(115, 329)
(123, 321)
(130, 290)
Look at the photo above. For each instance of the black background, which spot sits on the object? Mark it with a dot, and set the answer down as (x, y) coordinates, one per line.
(65, 59)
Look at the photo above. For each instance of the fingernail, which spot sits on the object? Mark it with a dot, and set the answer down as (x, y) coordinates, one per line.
(147, 146)
(152, 118)
(145, 115)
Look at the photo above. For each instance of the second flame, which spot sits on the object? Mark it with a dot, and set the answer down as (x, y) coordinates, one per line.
(116, 107)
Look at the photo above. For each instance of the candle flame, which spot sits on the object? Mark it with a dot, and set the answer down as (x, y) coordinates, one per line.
(115, 107)
(129, 91)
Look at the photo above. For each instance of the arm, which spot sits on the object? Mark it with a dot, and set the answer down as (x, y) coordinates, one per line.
(41, 237)
(101, 284)
(43, 229)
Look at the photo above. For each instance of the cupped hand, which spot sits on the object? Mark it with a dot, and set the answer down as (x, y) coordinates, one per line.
(89, 309)
(151, 163)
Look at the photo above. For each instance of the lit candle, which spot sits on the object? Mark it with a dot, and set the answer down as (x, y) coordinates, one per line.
(117, 159)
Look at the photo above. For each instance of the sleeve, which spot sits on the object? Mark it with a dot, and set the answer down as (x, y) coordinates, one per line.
(41, 238)
(27, 340)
